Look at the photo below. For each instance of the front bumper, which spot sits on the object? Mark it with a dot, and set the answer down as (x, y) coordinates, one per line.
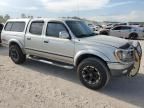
(131, 69)
(118, 69)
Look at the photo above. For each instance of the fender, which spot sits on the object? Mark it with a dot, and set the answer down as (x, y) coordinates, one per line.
(92, 52)
(17, 42)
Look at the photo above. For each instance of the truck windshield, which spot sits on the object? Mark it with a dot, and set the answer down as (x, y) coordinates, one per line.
(80, 29)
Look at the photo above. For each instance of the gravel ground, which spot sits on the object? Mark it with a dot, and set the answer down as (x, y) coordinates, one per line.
(38, 85)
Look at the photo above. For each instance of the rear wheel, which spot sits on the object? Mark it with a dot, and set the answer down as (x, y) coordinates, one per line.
(16, 54)
(104, 33)
(93, 73)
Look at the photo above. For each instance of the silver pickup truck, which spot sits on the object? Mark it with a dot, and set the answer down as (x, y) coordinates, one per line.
(71, 42)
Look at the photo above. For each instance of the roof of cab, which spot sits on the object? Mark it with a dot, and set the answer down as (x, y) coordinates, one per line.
(24, 19)
(45, 19)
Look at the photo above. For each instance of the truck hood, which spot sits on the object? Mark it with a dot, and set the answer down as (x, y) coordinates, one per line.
(105, 40)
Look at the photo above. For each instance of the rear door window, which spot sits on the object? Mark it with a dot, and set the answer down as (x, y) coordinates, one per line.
(125, 28)
(117, 28)
(36, 27)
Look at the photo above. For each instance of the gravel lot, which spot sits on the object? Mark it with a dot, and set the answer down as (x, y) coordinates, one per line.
(38, 85)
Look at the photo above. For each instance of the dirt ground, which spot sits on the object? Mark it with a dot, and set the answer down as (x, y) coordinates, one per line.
(39, 85)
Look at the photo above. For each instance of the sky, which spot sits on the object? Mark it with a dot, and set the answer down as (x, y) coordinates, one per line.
(99, 10)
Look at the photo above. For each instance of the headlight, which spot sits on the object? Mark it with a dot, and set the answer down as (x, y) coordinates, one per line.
(124, 55)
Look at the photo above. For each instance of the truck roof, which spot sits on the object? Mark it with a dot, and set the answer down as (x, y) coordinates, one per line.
(45, 19)
(24, 19)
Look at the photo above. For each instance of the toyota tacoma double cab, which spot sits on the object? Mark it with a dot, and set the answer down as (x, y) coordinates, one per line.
(71, 42)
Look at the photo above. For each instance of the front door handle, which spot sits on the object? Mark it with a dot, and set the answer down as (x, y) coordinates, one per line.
(46, 41)
(29, 38)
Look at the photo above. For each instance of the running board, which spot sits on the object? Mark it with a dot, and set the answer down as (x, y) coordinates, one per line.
(62, 65)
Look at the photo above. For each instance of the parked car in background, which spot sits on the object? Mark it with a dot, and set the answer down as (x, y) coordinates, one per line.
(128, 32)
(108, 26)
(127, 24)
(135, 25)
(1, 27)
(95, 27)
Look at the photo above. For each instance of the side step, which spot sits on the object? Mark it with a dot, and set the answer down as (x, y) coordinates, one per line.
(59, 64)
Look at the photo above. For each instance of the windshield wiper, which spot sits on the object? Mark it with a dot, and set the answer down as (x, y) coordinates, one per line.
(86, 35)
(92, 34)
(83, 35)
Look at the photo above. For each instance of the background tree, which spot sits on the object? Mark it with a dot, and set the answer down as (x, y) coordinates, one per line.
(30, 16)
(2, 20)
(6, 17)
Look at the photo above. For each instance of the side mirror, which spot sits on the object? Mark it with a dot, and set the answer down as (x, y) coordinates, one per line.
(64, 35)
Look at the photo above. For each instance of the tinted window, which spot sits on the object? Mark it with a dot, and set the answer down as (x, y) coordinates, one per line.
(53, 29)
(125, 28)
(15, 26)
(18, 27)
(36, 27)
(80, 29)
(8, 26)
(117, 28)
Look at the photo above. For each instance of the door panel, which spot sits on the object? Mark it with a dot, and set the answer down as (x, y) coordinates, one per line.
(33, 42)
(33, 38)
(126, 30)
(58, 48)
(116, 31)
(125, 33)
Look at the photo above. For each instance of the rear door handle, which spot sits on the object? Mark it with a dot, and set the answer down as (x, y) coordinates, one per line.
(29, 38)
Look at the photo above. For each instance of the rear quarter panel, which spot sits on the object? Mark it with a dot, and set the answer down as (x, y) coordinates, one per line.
(11, 36)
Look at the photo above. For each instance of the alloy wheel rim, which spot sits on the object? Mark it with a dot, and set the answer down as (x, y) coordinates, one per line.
(14, 54)
(91, 75)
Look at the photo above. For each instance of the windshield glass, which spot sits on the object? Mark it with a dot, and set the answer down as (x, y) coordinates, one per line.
(80, 29)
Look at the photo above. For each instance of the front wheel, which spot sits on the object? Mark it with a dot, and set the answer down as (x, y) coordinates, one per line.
(16, 54)
(133, 36)
(93, 73)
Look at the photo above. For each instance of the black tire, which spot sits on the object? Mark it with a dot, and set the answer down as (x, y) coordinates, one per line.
(16, 54)
(99, 70)
(104, 32)
(133, 36)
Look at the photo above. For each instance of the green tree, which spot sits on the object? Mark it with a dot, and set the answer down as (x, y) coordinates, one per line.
(2, 20)
(6, 17)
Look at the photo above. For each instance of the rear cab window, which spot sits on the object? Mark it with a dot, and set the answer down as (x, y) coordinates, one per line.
(15, 26)
(8, 26)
